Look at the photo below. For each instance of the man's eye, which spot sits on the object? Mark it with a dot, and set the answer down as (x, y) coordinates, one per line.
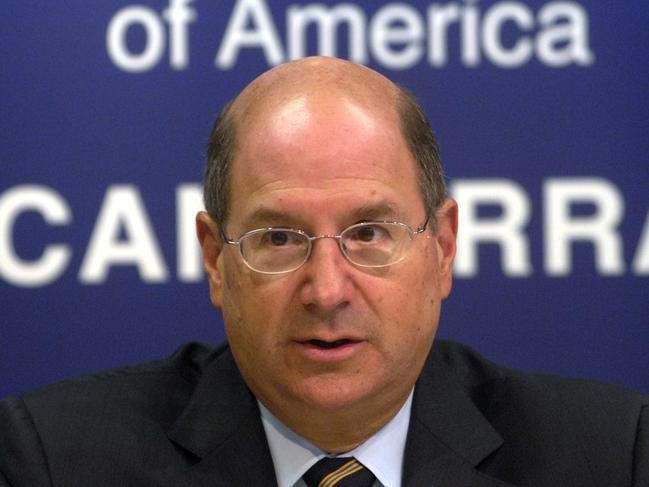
(369, 233)
(281, 238)
(277, 238)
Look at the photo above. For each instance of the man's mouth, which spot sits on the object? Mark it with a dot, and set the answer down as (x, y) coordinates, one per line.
(330, 349)
(319, 350)
(329, 345)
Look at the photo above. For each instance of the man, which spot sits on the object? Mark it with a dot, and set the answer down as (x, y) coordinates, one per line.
(328, 245)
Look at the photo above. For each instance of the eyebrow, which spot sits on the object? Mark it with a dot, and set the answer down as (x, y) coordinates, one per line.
(383, 210)
(266, 216)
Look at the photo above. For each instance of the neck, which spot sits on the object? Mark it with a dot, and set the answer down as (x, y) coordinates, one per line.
(336, 431)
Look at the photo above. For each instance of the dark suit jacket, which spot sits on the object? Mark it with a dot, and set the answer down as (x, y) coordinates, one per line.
(191, 421)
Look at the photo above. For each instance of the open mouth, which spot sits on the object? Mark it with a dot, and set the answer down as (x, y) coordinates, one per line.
(329, 345)
(317, 350)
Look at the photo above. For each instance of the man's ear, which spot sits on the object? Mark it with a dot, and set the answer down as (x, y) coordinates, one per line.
(446, 236)
(210, 241)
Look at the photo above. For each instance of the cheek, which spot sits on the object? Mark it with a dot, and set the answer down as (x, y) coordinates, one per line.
(415, 305)
(253, 308)
(237, 310)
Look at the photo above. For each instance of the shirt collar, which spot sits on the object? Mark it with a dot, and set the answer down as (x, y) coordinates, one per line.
(382, 453)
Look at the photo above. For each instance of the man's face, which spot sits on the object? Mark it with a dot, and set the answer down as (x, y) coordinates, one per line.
(320, 164)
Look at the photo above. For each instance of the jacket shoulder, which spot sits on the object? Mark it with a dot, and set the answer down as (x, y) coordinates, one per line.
(121, 412)
(482, 377)
(130, 384)
(602, 427)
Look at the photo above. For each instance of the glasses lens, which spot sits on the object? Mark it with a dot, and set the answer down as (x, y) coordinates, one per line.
(274, 250)
(376, 244)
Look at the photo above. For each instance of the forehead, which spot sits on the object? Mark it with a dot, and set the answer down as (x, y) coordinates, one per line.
(326, 150)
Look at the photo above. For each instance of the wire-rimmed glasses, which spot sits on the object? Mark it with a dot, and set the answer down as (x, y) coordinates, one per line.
(276, 250)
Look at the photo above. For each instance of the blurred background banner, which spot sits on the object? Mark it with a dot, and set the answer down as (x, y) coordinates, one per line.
(541, 109)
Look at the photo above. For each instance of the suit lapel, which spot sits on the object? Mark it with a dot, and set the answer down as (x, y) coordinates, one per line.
(221, 427)
(448, 436)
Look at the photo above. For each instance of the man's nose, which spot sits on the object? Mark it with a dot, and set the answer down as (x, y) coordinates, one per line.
(327, 285)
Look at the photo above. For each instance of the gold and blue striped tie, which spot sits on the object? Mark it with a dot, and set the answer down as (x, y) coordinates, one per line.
(339, 472)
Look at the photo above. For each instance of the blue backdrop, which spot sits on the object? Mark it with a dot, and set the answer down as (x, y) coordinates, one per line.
(541, 109)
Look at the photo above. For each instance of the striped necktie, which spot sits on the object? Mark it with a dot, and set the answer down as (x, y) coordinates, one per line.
(341, 472)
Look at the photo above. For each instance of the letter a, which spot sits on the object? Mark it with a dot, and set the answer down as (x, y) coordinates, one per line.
(122, 208)
(264, 34)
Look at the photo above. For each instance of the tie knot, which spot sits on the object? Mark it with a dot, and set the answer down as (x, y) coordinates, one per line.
(341, 472)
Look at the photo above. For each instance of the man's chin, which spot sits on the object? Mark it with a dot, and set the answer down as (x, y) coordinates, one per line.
(332, 393)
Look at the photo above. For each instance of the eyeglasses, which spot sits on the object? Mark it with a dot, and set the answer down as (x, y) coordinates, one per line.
(368, 244)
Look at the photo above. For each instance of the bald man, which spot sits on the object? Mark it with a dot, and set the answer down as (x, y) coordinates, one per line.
(328, 243)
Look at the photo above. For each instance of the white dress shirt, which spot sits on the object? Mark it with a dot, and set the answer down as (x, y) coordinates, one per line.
(382, 453)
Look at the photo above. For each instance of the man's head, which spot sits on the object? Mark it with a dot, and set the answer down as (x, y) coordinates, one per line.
(332, 348)
(412, 121)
